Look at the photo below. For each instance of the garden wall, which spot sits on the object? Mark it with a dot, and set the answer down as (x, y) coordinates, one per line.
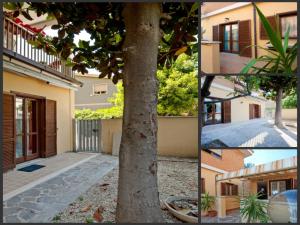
(177, 136)
(289, 114)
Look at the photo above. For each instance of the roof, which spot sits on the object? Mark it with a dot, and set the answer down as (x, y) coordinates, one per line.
(268, 168)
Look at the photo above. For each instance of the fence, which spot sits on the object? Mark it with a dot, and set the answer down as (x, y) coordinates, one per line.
(87, 136)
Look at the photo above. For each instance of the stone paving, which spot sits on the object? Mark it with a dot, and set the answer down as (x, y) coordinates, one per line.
(232, 217)
(252, 133)
(42, 202)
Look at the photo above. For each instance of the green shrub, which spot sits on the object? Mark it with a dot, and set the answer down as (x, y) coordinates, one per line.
(290, 102)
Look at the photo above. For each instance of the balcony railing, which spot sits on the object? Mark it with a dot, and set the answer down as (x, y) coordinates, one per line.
(15, 44)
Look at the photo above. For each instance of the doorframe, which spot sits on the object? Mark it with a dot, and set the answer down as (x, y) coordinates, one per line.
(39, 134)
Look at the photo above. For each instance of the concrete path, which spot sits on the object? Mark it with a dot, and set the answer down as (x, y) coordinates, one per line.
(252, 133)
(42, 202)
(233, 217)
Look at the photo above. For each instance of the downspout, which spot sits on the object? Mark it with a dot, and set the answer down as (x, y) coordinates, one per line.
(255, 30)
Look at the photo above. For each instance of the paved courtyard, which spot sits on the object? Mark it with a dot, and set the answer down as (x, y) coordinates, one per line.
(43, 201)
(232, 217)
(252, 133)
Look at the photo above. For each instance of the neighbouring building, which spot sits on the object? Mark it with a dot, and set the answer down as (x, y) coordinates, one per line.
(233, 31)
(38, 99)
(229, 184)
(235, 110)
(94, 93)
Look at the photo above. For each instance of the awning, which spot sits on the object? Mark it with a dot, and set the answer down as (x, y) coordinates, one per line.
(272, 167)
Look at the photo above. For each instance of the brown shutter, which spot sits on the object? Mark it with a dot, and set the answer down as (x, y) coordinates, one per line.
(245, 38)
(202, 185)
(263, 33)
(234, 190)
(51, 129)
(251, 111)
(9, 132)
(226, 111)
(223, 189)
(216, 33)
(295, 184)
(221, 37)
(259, 111)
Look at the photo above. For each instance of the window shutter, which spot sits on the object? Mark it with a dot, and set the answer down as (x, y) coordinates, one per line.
(251, 111)
(289, 184)
(223, 189)
(226, 111)
(295, 184)
(9, 132)
(221, 37)
(259, 111)
(234, 190)
(263, 33)
(51, 129)
(215, 33)
(202, 185)
(245, 38)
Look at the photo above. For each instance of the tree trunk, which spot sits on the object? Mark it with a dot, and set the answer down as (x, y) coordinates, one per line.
(278, 119)
(138, 197)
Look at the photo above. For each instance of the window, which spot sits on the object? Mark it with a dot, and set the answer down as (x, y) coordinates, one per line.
(216, 153)
(231, 38)
(100, 89)
(228, 189)
(278, 186)
(212, 112)
(286, 20)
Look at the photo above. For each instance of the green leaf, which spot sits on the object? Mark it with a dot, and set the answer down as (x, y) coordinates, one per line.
(286, 39)
(248, 66)
(55, 27)
(273, 35)
(10, 5)
(26, 15)
(195, 6)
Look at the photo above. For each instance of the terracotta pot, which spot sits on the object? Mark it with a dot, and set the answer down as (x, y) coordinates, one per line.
(212, 213)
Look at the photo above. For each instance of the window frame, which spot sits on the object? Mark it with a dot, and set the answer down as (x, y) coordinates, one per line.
(286, 14)
(95, 94)
(208, 151)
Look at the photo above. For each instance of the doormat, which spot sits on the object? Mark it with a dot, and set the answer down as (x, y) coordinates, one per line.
(31, 168)
(214, 144)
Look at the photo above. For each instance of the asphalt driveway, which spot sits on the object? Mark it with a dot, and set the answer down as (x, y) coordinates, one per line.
(252, 133)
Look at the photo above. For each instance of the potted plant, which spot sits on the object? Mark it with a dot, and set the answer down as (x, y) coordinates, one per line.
(253, 209)
(207, 203)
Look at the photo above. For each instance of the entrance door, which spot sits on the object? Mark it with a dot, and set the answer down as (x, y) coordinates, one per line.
(231, 38)
(213, 113)
(26, 129)
(262, 189)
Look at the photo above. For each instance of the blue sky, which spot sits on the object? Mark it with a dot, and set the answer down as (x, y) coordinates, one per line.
(261, 156)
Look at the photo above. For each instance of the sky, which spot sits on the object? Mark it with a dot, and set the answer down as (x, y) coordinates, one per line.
(261, 156)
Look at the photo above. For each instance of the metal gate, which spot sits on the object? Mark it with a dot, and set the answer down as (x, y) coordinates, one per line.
(87, 137)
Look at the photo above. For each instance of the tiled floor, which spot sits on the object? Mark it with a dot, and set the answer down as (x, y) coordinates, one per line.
(15, 180)
(232, 217)
(232, 63)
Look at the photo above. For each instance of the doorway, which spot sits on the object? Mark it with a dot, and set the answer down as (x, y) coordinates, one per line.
(231, 38)
(262, 189)
(26, 115)
(212, 113)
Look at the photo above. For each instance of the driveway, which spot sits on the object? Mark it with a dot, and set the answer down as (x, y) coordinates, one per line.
(44, 200)
(252, 133)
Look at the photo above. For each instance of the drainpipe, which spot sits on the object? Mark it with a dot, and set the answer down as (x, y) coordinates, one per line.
(255, 30)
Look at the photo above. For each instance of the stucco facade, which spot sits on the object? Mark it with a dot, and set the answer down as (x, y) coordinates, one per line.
(245, 12)
(85, 98)
(64, 99)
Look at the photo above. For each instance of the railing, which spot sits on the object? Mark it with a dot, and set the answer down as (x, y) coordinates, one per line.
(15, 43)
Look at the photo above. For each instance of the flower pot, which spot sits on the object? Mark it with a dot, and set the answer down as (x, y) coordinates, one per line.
(204, 213)
(212, 213)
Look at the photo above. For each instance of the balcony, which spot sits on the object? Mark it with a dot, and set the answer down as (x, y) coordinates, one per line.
(16, 45)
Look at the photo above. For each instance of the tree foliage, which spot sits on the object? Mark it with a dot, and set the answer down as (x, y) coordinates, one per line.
(290, 101)
(177, 96)
(105, 23)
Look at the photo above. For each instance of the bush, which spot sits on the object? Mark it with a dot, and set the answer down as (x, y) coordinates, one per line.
(290, 102)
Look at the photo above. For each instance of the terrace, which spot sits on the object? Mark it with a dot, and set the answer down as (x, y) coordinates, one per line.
(16, 45)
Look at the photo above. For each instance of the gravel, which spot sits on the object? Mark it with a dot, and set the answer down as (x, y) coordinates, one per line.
(176, 177)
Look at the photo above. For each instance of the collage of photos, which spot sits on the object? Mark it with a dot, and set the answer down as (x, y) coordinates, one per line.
(149, 112)
(248, 106)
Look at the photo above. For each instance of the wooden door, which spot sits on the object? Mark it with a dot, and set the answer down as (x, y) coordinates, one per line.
(9, 132)
(251, 111)
(50, 128)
